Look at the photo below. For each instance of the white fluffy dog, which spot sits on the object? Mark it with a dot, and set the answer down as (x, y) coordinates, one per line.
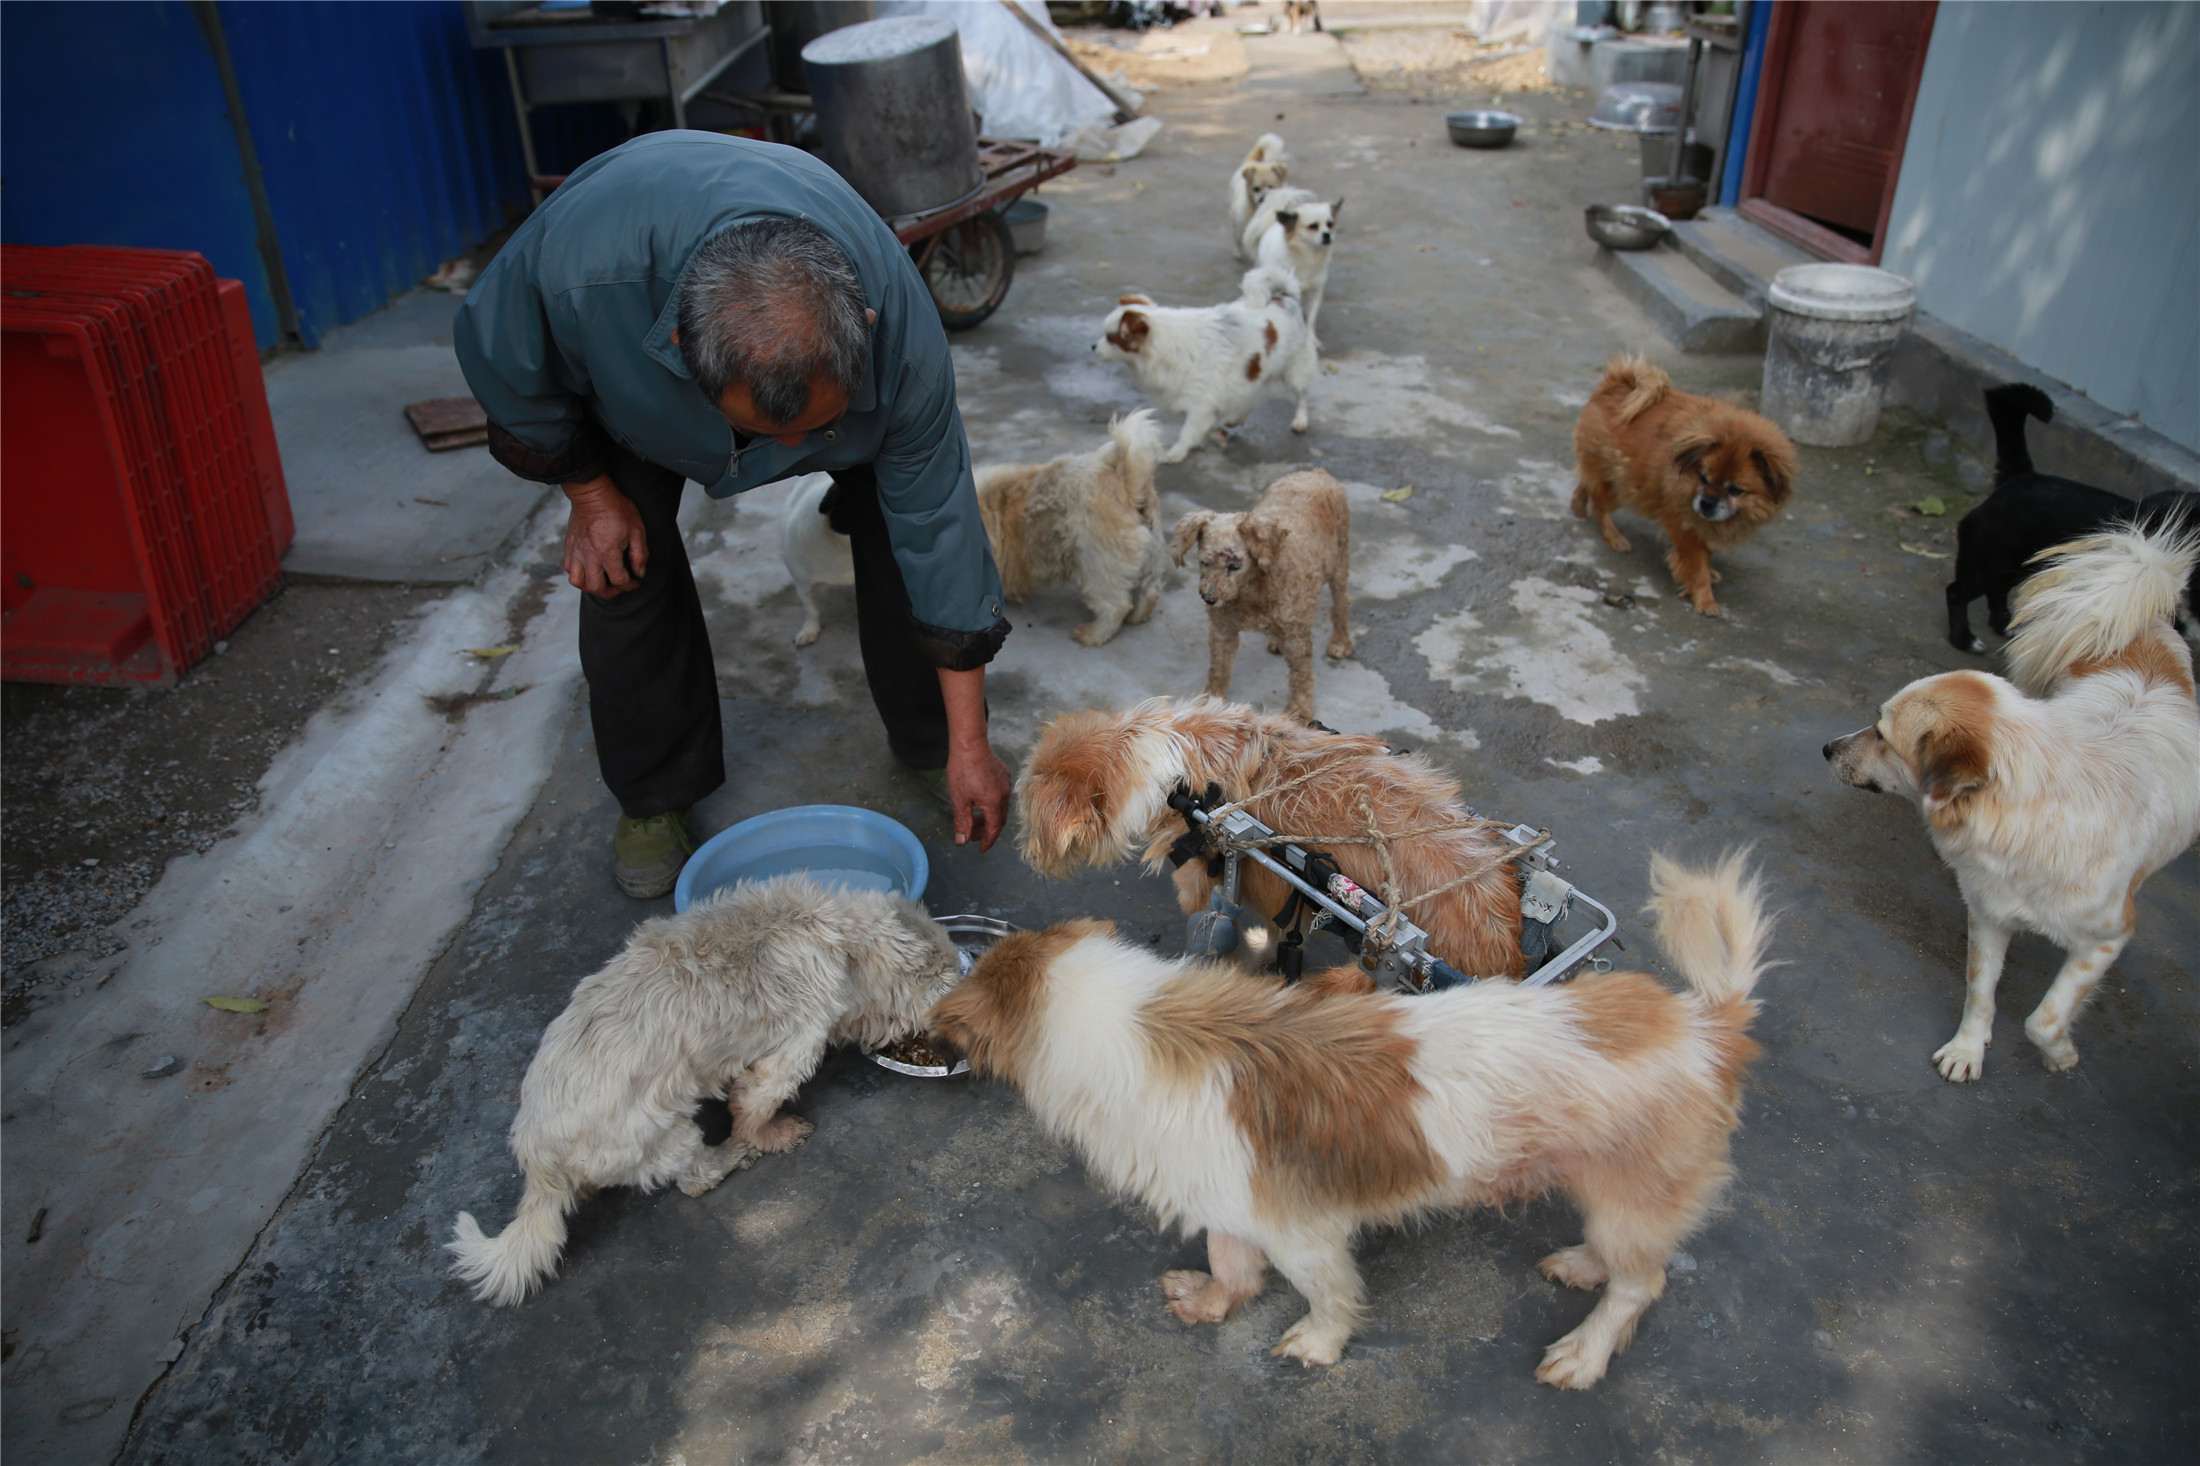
(1281, 1119)
(2055, 798)
(814, 552)
(1294, 230)
(736, 998)
(1092, 519)
(1211, 363)
(1264, 168)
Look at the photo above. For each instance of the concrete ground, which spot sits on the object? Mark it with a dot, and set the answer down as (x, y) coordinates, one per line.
(1906, 1269)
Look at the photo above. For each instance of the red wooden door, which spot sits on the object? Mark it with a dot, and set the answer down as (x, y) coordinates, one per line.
(1833, 113)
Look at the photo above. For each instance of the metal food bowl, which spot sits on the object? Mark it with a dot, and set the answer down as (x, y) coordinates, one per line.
(1626, 226)
(1481, 129)
(971, 934)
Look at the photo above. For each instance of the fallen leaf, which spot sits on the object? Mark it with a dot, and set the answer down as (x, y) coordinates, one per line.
(1398, 495)
(1331, 367)
(488, 653)
(1921, 550)
(439, 503)
(1932, 507)
(237, 1005)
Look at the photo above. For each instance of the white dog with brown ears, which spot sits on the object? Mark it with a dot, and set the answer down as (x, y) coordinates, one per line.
(1294, 229)
(735, 999)
(1282, 1119)
(1265, 570)
(2053, 799)
(1212, 363)
(1263, 170)
(1092, 519)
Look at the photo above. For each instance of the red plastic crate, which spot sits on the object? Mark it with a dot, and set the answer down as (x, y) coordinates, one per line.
(141, 496)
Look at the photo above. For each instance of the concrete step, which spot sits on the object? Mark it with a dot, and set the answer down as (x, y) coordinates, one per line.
(1736, 253)
(1691, 307)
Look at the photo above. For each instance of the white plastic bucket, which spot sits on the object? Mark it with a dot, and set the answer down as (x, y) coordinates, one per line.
(1833, 333)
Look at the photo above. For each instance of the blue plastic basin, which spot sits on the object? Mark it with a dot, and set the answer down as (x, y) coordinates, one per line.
(838, 844)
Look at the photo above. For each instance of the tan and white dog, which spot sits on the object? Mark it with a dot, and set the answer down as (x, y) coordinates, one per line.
(1092, 519)
(2053, 798)
(1263, 170)
(1212, 363)
(1096, 787)
(1281, 1119)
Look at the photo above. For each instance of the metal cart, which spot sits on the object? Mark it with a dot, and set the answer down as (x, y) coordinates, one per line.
(964, 251)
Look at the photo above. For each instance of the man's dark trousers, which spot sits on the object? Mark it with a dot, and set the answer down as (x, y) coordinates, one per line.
(653, 688)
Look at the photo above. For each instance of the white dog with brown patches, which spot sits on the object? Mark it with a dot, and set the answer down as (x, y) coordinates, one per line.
(1283, 1119)
(2053, 798)
(1212, 363)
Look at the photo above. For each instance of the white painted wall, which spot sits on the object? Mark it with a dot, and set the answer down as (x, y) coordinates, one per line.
(2049, 201)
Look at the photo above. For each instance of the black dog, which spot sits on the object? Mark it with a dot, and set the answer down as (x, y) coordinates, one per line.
(2027, 512)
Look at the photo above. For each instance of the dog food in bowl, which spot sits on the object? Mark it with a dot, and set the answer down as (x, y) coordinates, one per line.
(910, 1054)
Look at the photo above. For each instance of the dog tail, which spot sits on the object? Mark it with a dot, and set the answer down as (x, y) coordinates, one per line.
(1137, 447)
(506, 1268)
(2094, 598)
(2007, 406)
(1645, 385)
(1268, 148)
(1712, 924)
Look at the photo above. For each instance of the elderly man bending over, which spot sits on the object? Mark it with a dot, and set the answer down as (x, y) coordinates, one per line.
(693, 306)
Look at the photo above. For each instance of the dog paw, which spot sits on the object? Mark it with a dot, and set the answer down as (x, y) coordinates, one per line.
(1175, 455)
(1195, 1297)
(1961, 1060)
(1613, 539)
(1571, 1364)
(1576, 1267)
(783, 1133)
(2057, 1052)
(808, 635)
(1340, 648)
(1299, 424)
(1977, 647)
(1310, 1345)
(1086, 636)
(1706, 606)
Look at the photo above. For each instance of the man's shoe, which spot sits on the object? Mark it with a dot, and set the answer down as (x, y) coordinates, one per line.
(646, 854)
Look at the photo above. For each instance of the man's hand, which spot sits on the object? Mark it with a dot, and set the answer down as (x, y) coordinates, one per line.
(978, 785)
(606, 551)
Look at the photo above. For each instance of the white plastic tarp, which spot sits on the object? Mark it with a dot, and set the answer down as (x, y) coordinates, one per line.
(1020, 88)
(1523, 22)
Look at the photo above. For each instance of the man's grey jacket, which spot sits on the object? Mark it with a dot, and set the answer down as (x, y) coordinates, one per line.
(568, 335)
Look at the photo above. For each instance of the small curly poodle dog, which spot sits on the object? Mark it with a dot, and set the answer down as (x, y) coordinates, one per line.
(735, 998)
(1265, 569)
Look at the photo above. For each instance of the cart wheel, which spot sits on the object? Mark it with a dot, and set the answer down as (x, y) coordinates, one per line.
(969, 269)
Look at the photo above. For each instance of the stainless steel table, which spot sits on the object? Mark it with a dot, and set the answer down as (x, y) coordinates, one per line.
(557, 56)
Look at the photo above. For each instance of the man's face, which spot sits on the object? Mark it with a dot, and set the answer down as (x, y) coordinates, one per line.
(827, 405)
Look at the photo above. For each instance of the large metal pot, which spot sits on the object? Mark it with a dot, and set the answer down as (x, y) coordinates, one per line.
(796, 23)
(893, 112)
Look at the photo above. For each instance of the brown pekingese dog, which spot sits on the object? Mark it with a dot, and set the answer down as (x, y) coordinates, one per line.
(1709, 473)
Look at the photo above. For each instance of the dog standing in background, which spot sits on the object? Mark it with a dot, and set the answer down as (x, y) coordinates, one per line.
(815, 554)
(1710, 474)
(2053, 799)
(1265, 570)
(1212, 363)
(1264, 169)
(1092, 519)
(1294, 230)
(735, 999)
(1281, 1120)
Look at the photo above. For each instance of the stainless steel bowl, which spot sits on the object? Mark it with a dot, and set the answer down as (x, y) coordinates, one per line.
(1482, 129)
(1626, 226)
(971, 934)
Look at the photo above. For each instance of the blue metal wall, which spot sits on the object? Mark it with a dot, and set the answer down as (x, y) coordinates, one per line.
(387, 143)
(113, 131)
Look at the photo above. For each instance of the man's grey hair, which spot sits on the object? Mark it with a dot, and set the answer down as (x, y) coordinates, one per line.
(770, 305)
